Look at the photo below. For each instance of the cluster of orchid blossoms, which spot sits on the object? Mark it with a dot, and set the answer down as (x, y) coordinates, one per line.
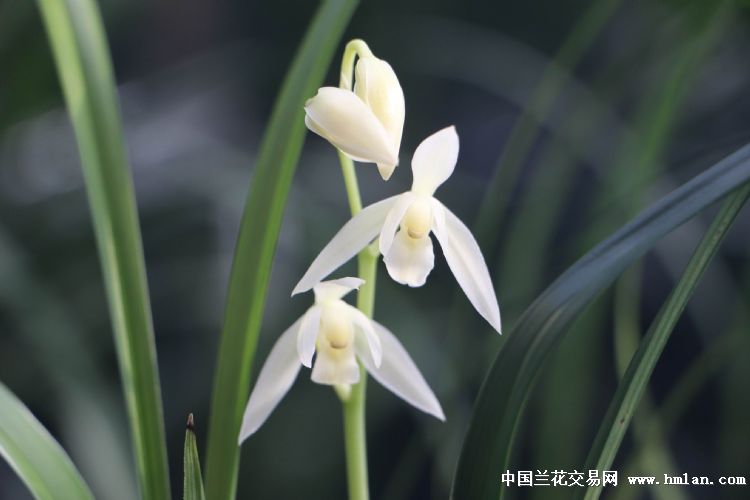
(366, 123)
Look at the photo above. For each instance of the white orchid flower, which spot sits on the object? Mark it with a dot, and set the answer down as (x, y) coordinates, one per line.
(365, 124)
(340, 335)
(404, 223)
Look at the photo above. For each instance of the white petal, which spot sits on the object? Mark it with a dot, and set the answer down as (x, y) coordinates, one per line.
(364, 325)
(336, 289)
(308, 334)
(377, 85)
(409, 261)
(393, 219)
(386, 170)
(434, 161)
(353, 237)
(399, 374)
(342, 118)
(335, 368)
(465, 260)
(274, 381)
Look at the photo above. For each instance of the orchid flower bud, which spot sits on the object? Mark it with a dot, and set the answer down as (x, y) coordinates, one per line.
(377, 85)
(366, 124)
(343, 119)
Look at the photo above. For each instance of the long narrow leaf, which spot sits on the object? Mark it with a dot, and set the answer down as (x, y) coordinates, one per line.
(35, 455)
(526, 129)
(192, 485)
(82, 57)
(641, 366)
(257, 240)
(489, 440)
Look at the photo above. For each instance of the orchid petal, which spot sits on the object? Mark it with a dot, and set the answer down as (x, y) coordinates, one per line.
(434, 160)
(274, 381)
(335, 368)
(351, 238)
(377, 85)
(386, 169)
(466, 262)
(399, 374)
(409, 261)
(308, 335)
(393, 219)
(336, 289)
(364, 324)
(342, 118)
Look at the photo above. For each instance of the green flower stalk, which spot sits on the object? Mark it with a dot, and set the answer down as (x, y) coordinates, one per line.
(365, 123)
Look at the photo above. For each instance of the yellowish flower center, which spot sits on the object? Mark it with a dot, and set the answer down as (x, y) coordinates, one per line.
(418, 219)
(335, 328)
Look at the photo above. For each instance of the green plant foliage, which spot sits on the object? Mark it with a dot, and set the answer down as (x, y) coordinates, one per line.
(257, 240)
(81, 54)
(526, 130)
(499, 406)
(35, 455)
(635, 380)
(192, 485)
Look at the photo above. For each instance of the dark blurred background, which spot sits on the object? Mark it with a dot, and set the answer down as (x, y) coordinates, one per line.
(573, 116)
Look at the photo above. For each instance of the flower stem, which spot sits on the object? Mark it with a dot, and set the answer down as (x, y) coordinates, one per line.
(352, 188)
(353, 49)
(355, 442)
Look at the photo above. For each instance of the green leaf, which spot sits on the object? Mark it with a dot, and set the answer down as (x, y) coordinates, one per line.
(257, 240)
(34, 454)
(637, 159)
(82, 57)
(635, 380)
(501, 401)
(193, 481)
(526, 129)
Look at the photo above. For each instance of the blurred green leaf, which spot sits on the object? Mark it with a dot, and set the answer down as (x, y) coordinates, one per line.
(526, 129)
(734, 453)
(656, 454)
(639, 156)
(660, 424)
(635, 381)
(637, 160)
(642, 158)
(257, 240)
(100, 446)
(560, 411)
(192, 480)
(82, 57)
(35, 455)
(501, 401)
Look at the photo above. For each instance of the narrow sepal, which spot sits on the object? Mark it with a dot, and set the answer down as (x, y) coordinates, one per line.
(467, 263)
(399, 374)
